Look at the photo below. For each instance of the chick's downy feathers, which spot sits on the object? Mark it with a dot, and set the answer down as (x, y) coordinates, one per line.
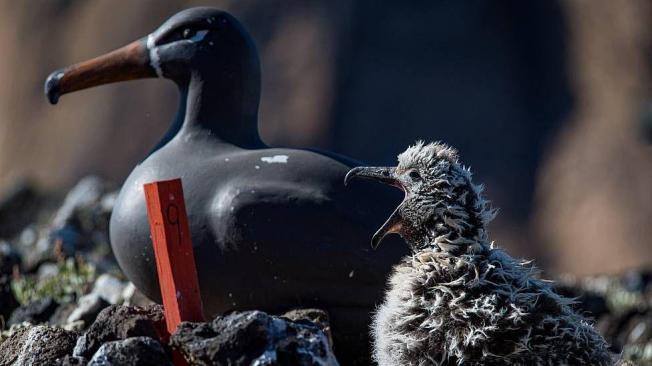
(458, 300)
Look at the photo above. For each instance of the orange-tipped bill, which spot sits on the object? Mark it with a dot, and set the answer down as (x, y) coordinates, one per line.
(127, 63)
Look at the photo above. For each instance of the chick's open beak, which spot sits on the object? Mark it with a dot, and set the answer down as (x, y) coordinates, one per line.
(385, 175)
(126, 63)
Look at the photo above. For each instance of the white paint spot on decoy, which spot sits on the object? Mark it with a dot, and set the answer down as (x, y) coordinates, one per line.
(257, 167)
(154, 59)
(226, 160)
(351, 274)
(282, 159)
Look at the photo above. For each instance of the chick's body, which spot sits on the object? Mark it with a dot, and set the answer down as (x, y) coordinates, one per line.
(483, 309)
(457, 300)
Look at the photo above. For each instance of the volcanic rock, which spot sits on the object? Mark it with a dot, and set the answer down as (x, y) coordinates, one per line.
(119, 322)
(39, 345)
(73, 361)
(18, 207)
(60, 316)
(88, 307)
(38, 311)
(317, 317)
(109, 288)
(8, 302)
(252, 338)
(9, 258)
(136, 351)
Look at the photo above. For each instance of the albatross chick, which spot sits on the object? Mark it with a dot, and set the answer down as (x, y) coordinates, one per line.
(457, 299)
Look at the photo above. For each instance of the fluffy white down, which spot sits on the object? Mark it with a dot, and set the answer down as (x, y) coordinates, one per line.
(457, 300)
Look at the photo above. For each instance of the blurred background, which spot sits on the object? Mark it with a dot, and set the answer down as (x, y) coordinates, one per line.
(548, 101)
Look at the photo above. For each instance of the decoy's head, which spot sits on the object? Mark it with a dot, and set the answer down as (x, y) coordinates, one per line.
(441, 208)
(203, 44)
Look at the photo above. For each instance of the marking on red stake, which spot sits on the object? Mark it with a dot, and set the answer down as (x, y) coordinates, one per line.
(175, 261)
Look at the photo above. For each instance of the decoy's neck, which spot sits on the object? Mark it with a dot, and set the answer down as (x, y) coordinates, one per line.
(226, 109)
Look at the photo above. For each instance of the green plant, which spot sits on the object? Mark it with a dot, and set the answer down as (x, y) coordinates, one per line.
(73, 279)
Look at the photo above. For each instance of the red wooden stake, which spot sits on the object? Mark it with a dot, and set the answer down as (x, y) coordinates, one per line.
(175, 261)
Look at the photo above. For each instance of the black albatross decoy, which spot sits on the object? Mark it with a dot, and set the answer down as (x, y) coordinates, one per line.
(272, 228)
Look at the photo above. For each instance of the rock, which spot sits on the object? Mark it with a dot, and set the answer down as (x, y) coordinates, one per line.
(119, 322)
(85, 194)
(132, 296)
(73, 361)
(88, 307)
(136, 351)
(315, 316)
(9, 258)
(38, 311)
(252, 338)
(36, 248)
(60, 316)
(67, 239)
(8, 302)
(109, 288)
(108, 201)
(39, 345)
(622, 308)
(81, 222)
(18, 207)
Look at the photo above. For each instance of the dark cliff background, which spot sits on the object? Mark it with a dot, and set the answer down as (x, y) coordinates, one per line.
(548, 101)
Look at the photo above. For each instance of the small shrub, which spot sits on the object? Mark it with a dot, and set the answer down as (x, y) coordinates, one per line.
(74, 278)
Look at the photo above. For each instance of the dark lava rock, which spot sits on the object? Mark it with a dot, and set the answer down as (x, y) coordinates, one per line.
(622, 309)
(60, 316)
(38, 311)
(252, 338)
(78, 226)
(18, 207)
(73, 361)
(83, 216)
(87, 309)
(119, 322)
(39, 345)
(8, 302)
(312, 316)
(136, 351)
(9, 258)
(109, 288)
(82, 197)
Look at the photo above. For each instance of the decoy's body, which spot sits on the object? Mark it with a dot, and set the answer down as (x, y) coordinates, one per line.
(457, 300)
(272, 229)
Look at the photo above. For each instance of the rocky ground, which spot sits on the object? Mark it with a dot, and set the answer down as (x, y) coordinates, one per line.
(63, 300)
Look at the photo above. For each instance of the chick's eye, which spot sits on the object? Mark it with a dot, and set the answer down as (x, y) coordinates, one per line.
(414, 175)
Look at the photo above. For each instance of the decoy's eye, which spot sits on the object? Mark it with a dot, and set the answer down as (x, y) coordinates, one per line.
(188, 33)
(414, 175)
